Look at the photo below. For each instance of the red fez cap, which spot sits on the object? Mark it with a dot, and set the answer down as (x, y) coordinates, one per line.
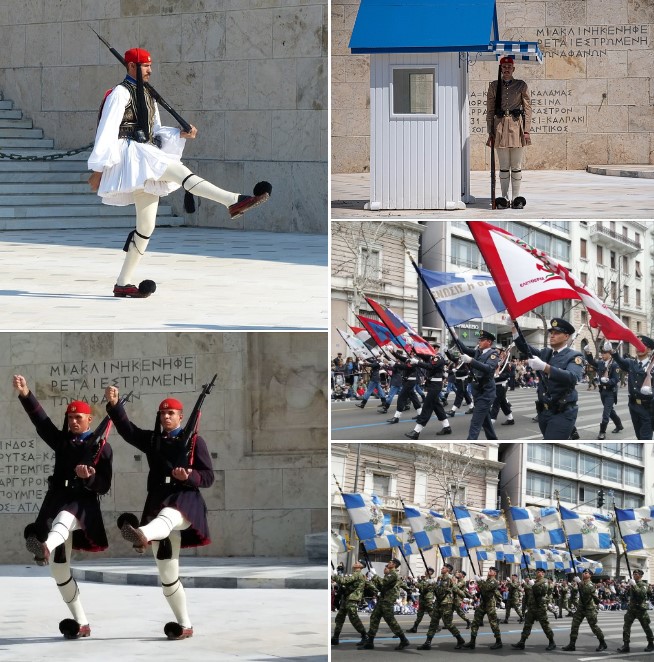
(506, 59)
(78, 407)
(171, 403)
(138, 55)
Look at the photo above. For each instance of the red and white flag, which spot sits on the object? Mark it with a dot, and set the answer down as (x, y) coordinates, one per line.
(526, 278)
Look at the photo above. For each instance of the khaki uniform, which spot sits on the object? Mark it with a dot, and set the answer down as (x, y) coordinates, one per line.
(507, 131)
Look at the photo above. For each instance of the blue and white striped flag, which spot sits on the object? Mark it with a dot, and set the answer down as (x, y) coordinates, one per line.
(339, 544)
(454, 551)
(490, 553)
(637, 527)
(366, 514)
(586, 530)
(512, 551)
(537, 527)
(429, 527)
(463, 296)
(595, 567)
(481, 527)
(391, 536)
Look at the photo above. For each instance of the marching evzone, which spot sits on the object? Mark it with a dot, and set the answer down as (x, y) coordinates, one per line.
(587, 609)
(353, 586)
(435, 376)
(502, 375)
(607, 373)
(490, 596)
(508, 119)
(136, 160)
(637, 610)
(175, 514)
(537, 594)
(515, 599)
(82, 471)
(561, 368)
(639, 384)
(408, 367)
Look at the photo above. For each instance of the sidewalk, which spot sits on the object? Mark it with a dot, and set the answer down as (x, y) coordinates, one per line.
(207, 279)
(549, 193)
(127, 620)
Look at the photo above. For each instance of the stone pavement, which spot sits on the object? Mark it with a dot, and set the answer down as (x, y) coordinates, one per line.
(207, 279)
(549, 193)
(127, 620)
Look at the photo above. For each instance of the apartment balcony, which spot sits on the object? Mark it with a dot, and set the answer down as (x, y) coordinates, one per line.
(620, 243)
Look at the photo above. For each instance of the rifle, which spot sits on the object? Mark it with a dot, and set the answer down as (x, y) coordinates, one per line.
(155, 95)
(492, 173)
(190, 433)
(95, 443)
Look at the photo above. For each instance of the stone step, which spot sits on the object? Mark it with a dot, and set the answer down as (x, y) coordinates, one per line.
(6, 105)
(82, 156)
(38, 188)
(27, 143)
(79, 211)
(47, 199)
(18, 132)
(21, 124)
(11, 114)
(68, 164)
(46, 177)
(80, 222)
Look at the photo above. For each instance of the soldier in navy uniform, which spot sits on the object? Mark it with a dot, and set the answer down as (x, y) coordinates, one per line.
(82, 471)
(175, 514)
(395, 385)
(435, 377)
(461, 374)
(374, 383)
(560, 368)
(409, 380)
(482, 362)
(607, 374)
(501, 402)
(640, 393)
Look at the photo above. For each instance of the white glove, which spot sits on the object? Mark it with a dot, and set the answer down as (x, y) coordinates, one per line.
(607, 346)
(536, 363)
(465, 358)
(530, 582)
(632, 582)
(577, 579)
(604, 380)
(646, 390)
(413, 361)
(477, 578)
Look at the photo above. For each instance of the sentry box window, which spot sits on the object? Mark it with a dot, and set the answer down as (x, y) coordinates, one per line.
(414, 91)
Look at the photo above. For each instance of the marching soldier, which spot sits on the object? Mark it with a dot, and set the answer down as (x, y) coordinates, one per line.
(389, 590)
(500, 402)
(537, 594)
(637, 610)
(489, 598)
(552, 598)
(443, 608)
(508, 119)
(435, 375)
(560, 369)
(461, 374)
(407, 367)
(426, 602)
(574, 598)
(374, 383)
(461, 591)
(353, 586)
(515, 599)
(607, 373)
(639, 383)
(588, 602)
(483, 362)
(564, 602)
(395, 386)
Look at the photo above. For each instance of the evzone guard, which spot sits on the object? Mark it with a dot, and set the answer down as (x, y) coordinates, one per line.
(136, 160)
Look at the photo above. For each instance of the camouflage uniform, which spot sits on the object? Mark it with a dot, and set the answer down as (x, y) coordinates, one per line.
(426, 601)
(637, 610)
(537, 597)
(588, 602)
(443, 607)
(564, 593)
(514, 601)
(353, 586)
(574, 598)
(552, 598)
(489, 595)
(461, 591)
(389, 591)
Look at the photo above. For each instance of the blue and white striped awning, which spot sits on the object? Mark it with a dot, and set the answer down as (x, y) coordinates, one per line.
(522, 51)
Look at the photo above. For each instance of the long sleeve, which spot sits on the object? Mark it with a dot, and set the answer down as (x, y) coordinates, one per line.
(106, 152)
(45, 428)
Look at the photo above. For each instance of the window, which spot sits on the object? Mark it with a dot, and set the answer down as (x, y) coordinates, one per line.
(632, 501)
(633, 451)
(414, 90)
(625, 265)
(633, 476)
(380, 485)
(625, 231)
(639, 273)
(567, 489)
(538, 485)
(584, 278)
(584, 317)
(637, 238)
(638, 302)
(639, 327)
(613, 260)
(370, 262)
(565, 459)
(589, 466)
(614, 291)
(466, 254)
(625, 294)
(611, 471)
(600, 255)
(612, 449)
(540, 454)
(587, 494)
(582, 249)
(600, 288)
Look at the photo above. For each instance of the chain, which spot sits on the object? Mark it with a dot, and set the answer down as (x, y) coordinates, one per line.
(47, 157)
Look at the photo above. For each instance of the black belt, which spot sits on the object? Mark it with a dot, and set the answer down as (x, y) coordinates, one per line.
(516, 114)
(138, 136)
(640, 400)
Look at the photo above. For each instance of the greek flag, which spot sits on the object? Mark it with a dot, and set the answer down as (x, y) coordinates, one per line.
(537, 527)
(429, 527)
(586, 530)
(338, 544)
(366, 514)
(637, 527)
(392, 536)
(545, 559)
(490, 554)
(481, 528)
(463, 296)
(512, 551)
(595, 567)
(454, 551)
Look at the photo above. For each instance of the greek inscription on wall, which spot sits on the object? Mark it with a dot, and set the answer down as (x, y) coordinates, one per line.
(25, 465)
(591, 40)
(86, 380)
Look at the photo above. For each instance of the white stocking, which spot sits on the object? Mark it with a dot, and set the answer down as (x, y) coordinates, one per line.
(146, 216)
(169, 519)
(67, 585)
(170, 583)
(504, 158)
(62, 526)
(177, 172)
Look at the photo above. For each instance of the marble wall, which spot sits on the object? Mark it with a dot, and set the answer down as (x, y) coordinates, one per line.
(265, 424)
(252, 76)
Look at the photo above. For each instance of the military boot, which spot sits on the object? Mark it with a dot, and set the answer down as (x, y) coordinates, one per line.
(497, 644)
(427, 645)
(551, 645)
(505, 621)
(471, 643)
(650, 646)
(404, 643)
(520, 645)
(602, 646)
(460, 642)
(335, 640)
(370, 643)
(569, 647)
(624, 648)
(364, 637)
(362, 404)
(414, 629)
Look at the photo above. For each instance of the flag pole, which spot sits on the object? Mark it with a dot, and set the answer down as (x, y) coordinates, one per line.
(565, 533)
(397, 342)
(365, 553)
(624, 547)
(376, 343)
